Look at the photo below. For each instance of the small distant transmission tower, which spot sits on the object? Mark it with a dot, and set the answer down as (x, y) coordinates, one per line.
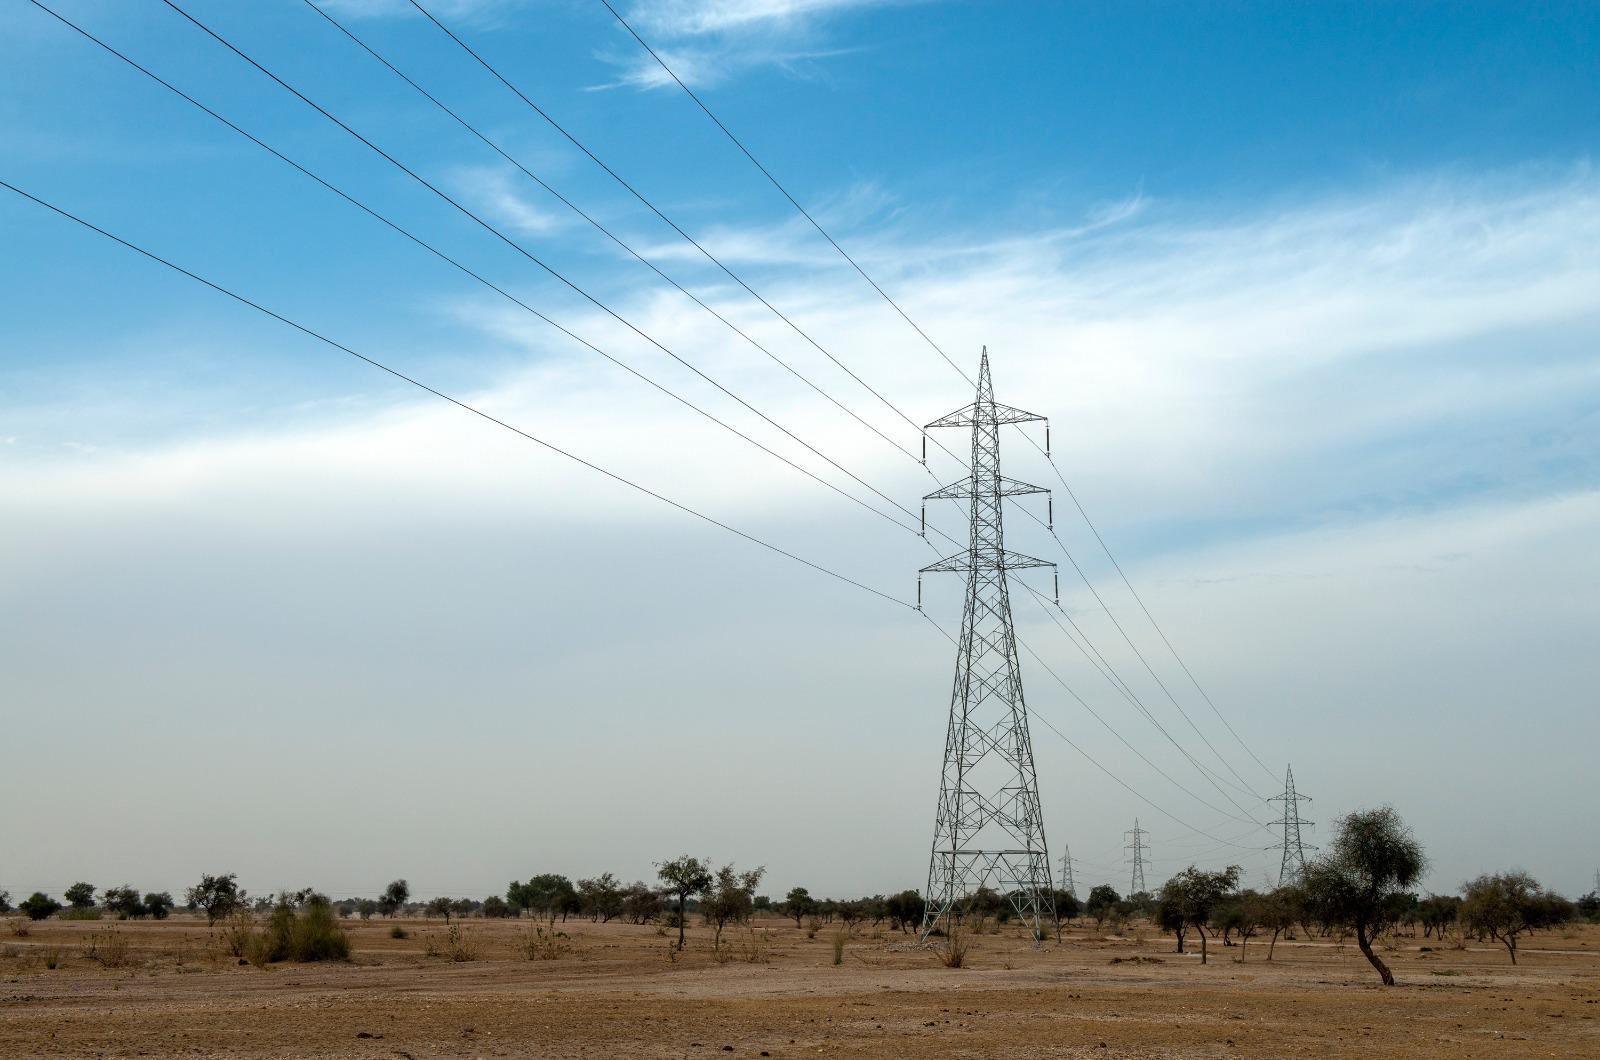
(1294, 848)
(1136, 849)
(1067, 883)
(989, 828)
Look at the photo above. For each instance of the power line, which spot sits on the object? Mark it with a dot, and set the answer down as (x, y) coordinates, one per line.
(520, 249)
(552, 447)
(558, 127)
(608, 233)
(785, 191)
(748, 154)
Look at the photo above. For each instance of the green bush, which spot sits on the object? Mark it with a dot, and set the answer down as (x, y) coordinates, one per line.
(39, 906)
(398, 932)
(310, 932)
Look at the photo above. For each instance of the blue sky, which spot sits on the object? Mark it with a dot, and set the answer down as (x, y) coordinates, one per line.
(1308, 290)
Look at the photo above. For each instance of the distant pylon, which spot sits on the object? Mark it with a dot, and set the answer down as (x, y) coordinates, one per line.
(989, 829)
(1067, 883)
(1294, 848)
(1136, 849)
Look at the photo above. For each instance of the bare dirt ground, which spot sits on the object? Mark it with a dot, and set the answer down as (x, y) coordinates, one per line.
(618, 993)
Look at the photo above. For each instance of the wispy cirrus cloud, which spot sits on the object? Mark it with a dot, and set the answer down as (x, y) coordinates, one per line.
(709, 41)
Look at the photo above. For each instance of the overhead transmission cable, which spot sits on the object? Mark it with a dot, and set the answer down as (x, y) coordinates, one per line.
(396, 373)
(424, 244)
(600, 227)
(737, 142)
(524, 252)
(682, 233)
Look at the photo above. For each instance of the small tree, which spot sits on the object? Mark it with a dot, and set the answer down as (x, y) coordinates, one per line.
(1169, 917)
(5, 901)
(682, 879)
(907, 909)
(440, 906)
(218, 896)
(394, 897)
(1102, 903)
(601, 897)
(641, 903)
(365, 908)
(799, 904)
(39, 906)
(1068, 908)
(730, 898)
(1373, 856)
(1195, 896)
(125, 902)
(1438, 913)
(80, 895)
(158, 904)
(1276, 912)
(1507, 904)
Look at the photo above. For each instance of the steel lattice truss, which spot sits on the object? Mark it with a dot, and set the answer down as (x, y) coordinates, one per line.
(1294, 851)
(989, 830)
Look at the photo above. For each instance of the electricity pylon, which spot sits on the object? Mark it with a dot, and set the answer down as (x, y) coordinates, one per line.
(1136, 850)
(989, 829)
(1294, 849)
(1067, 883)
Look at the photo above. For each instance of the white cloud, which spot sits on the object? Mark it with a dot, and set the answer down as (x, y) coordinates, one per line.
(495, 191)
(707, 41)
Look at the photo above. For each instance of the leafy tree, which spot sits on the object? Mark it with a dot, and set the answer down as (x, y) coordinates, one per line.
(394, 897)
(763, 903)
(601, 897)
(39, 906)
(730, 898)
(683, 878)
(158, 904)
(5, 901)
(549, 893)
(1195, 896)
(365, 907)
(1588, 905)
(125, 901)
(80, 895)
(1373, 856)
(1276, 911)
(1169, 917)
(1507, 904)
(440, 906)
(906, 909)
(464, 907)
(1068, 907)
(641, 903)
(218, 896)
(1102, 900)
(519, 897)
(1437, 913)
(799, 904)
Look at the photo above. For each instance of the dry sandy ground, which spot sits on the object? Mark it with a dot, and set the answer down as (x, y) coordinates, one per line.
(617, 993)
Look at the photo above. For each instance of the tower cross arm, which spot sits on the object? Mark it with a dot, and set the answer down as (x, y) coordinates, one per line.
(1001, 559)
(1005, 487)
(980, 413)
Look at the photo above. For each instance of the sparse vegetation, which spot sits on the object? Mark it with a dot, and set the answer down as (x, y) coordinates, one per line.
(1373, 856)
(1506, 905)
(541, 945)
(217, 896)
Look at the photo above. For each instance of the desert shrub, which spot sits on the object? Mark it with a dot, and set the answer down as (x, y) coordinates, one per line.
(309, 932)
(109, 948)
(754, 948)
(813, 925)
(542, 945)
(51, 956)
(80, 895)
(398, 932)
(39, 906)
(237, 933)
(838, 940)
(78, 912)
(953, 954)
(157, 904)
(19, 928)
(457, 946)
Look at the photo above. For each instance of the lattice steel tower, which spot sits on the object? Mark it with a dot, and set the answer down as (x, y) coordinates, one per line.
(1294, 849)
(1067, 883)
(1136, 851)
(989, 831)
